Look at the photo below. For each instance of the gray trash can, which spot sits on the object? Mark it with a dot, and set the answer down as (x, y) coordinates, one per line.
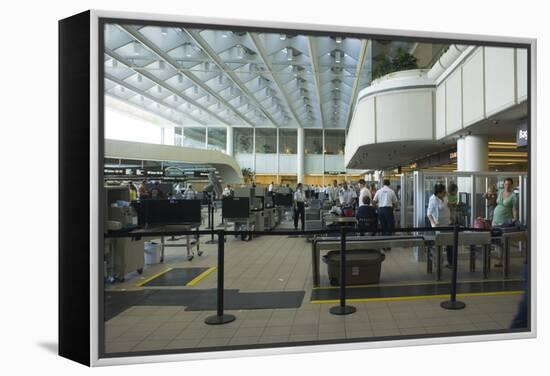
(362, 266)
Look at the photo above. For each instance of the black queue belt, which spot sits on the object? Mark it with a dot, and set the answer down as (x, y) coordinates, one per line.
(342, 308)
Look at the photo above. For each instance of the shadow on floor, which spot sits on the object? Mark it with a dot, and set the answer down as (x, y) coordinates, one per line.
(50, 347)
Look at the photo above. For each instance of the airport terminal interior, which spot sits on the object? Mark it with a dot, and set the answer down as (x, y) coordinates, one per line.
(269, 188)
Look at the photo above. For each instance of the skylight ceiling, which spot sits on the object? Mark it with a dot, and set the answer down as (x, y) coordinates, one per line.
(224, 78)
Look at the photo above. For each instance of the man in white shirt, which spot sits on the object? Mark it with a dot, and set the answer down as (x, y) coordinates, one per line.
(363, 191)
(189, 193)
(346, 195)
(227, 191)
(385, 198)
(299, 206)
(270, 188)
(333, 192)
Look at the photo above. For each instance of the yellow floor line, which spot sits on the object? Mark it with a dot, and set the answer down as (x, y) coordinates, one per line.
(141, 283)
(201, 276)
(410, 284)
(396, 298)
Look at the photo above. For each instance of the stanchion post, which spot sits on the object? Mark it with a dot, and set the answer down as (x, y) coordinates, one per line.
(211, 224)
(220, 317)
(453, 303)
(342, 308)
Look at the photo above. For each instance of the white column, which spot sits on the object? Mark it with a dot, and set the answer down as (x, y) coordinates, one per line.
(254, 150)
(477, 153)
(206, 138)
(300, 155)
(229, 141)
(278, 163)
(460, 154)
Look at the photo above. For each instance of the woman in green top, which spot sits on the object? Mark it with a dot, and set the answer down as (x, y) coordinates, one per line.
(507, 204)
(506, 209)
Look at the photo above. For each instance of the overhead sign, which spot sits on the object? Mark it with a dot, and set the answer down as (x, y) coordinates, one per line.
(522, 136)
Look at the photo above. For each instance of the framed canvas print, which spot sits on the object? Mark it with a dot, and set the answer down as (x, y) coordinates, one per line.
(268, 188)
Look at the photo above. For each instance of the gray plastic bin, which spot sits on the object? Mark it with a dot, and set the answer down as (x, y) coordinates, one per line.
(362, 266)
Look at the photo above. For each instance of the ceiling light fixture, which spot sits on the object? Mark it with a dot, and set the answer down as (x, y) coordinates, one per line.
(180, 78)
(187, 49)
(220, 79)
(337, 57)
(114, 63)
(224, 34)
(164, 31)
(240, 51)
(282, 37)
(136, 48)
(162, 65)
(139, 78)
(195, 89)
(338, 40)
(290, 54)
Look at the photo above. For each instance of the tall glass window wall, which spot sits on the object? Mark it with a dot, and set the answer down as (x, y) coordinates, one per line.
(243, 140)
(288, 141)
(335, 141)
(194, 137)
(266, 140)
(217, 138)
(313, 141)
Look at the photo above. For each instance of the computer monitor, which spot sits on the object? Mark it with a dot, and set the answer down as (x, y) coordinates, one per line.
(168, 212)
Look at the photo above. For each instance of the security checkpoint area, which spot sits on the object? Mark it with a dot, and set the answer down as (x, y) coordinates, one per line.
(285, 286)
(267, 189)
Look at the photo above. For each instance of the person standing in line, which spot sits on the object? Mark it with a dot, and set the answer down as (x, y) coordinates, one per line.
(189, 193)
(506, 211)
(333, 192)
(363, 192)
(439, 215)
(227, 191)
(366, 216)
(385, 199)
(346, 195)
(270, 189)
(133, 191)
(299, 206)
(491, 197)
(143, 193)
(372, 190)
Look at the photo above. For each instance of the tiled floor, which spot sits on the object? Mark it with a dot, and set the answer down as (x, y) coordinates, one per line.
(271, 263)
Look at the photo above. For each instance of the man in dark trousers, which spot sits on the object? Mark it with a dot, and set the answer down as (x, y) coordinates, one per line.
(299, 206)
(385, 199)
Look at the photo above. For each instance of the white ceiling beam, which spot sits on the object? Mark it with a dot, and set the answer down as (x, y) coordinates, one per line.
(265, 58)
(162, 83)
(136, 90)
(355, 89)
(315, 69)
(202, 43)
(172, 62)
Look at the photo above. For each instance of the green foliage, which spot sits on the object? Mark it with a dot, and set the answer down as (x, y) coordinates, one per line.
(248, 175)
(401, 61)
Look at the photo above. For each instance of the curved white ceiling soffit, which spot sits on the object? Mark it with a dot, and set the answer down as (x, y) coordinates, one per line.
(228, 168)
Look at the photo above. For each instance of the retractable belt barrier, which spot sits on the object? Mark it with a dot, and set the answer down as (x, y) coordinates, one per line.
(342, 308)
